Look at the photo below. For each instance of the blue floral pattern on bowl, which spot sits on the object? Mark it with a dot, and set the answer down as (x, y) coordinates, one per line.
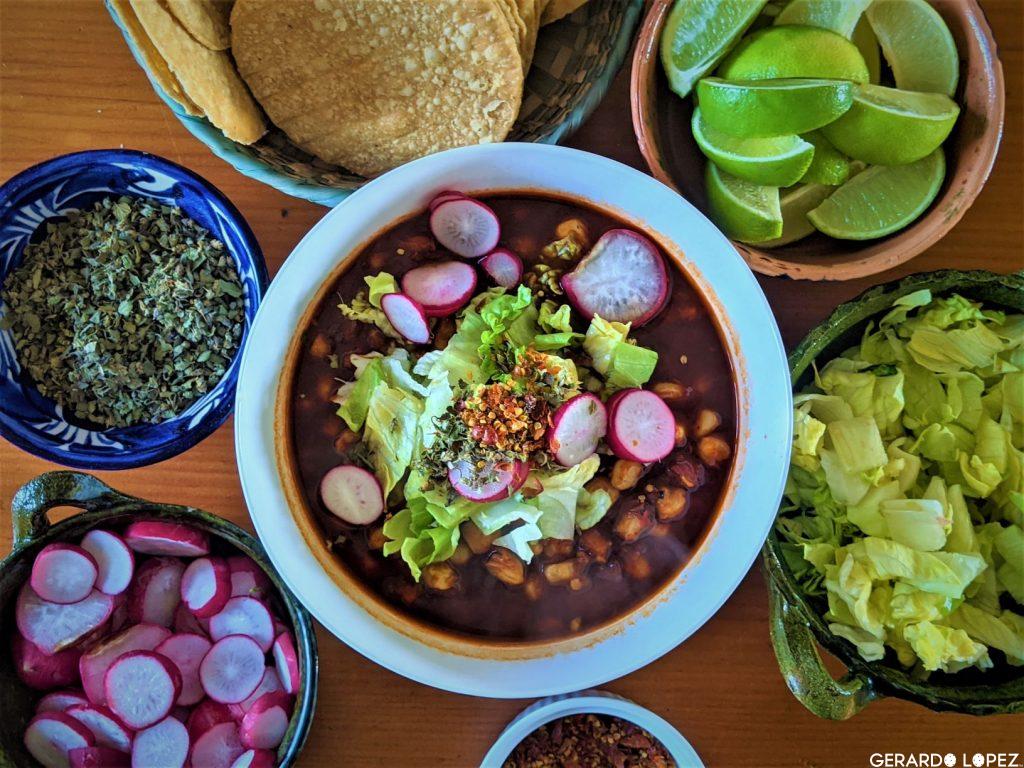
(52, 189)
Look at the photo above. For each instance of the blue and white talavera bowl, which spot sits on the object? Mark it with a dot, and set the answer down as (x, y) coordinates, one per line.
(52, 189)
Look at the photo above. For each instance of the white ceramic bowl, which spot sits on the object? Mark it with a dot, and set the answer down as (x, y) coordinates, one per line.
(590, 702)
(763, 404)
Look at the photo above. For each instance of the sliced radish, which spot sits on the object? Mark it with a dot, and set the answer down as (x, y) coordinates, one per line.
(155, 537)
(207, 714)
(51, 735)
(465, 226)
(503, 266)
(233, 668)
(244, 616)
(219, 747)
(286, 661)
(441, 288)
(107, 729)
(93, 665)
(577, 427)
(63, 573)
(266, 723)
(206, 586)
(407, 317)
(444, 197)
(187, 652)
(255, 758)
(114, 560)
(352, 494)
(641, 427)
(186, 623)
(247, 578)
(270, 682)
(490, 484)
(164, 744)
(141, 688)
(59, 701)
(43, 671)
(623, 279)
(53, 626)
(98, 757)
(156, 591)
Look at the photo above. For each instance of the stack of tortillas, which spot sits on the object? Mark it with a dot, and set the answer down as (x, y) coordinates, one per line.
(365, 84)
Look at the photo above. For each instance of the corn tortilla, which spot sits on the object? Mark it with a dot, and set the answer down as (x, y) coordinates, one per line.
(208, 77)
(557, 9)
(372, 84)
(152, 61)
(529, 11)
(205, 20)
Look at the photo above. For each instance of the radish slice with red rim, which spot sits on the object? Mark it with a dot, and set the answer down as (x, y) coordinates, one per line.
(244, 616)
(407, 317)
(286, 661)
(114, 560)
(641, 427)
(219, 747)
(503, 267)
(465, 227)
(255, 758)
(59, 701)
(63, 573)
(43, 671)
(493, 483)
(247, 578)
(207, 714)
(155, 537)
(141, 688)
(444, 197)
(232, 669)
(187, 652)
(51, 735)
(266, 722)
(576, 429)
(441, 288)
(107, 729)
(155, 592)
(93, 665)
(623, 279)
(97, 757)
(352, 494)
(53, 626)
(270, 682)
(206, 586)
(164, 744)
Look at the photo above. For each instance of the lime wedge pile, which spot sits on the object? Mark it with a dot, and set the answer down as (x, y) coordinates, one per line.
(804, 127)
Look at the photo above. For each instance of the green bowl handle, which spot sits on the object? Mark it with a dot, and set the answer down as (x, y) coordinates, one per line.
(803, 670)
(38, 496)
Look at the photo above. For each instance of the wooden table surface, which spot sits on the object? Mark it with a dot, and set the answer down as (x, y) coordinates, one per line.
(68, 83)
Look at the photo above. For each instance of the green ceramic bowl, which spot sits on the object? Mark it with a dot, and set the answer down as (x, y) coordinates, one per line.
(103, 506)
(796, 621)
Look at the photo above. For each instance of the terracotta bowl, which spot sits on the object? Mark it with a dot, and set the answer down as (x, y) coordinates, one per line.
(661, 121)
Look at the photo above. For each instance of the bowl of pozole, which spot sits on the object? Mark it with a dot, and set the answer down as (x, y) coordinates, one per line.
(498, 425)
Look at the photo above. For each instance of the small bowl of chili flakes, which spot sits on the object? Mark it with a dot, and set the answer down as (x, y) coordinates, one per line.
(590, 729)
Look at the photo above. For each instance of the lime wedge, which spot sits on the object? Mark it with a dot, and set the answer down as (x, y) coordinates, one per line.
(866, 42)
(777, 161)
(917, 44)
(795, 203)
(772, 107)
(829, 166)
(742, 210)
(880, 200)
(841, 16)
(779, 52)
(698, 33)
(886, 126)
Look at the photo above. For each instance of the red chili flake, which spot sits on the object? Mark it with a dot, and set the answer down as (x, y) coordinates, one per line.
(590, 741)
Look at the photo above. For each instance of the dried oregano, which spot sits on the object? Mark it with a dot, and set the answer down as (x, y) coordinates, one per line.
(125, 313)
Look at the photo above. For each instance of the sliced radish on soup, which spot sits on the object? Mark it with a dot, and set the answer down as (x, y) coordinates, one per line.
(641, 427)
(623, 279)
(63, 573)
(164, 744)
(206, 586)
(352, 494)
(114, 559)
(577, 427)
(55, 626)
(442, 288)
(407, 317)
(491, 483)
(52, 735)
(141, 688)
(503, 267)
(155, 537)
(465, 227)
(444, 197)
(232, 669)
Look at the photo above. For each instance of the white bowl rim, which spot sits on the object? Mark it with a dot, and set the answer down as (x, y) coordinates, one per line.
(591, 702)
(751, 335)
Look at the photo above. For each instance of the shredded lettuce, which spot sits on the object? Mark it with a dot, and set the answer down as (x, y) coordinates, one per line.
(905, 496)
(622, 363)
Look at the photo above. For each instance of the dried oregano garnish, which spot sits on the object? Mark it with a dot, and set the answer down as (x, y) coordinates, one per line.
(125, 313)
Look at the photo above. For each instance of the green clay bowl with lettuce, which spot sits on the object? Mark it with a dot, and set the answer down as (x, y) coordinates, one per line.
(899, 545)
